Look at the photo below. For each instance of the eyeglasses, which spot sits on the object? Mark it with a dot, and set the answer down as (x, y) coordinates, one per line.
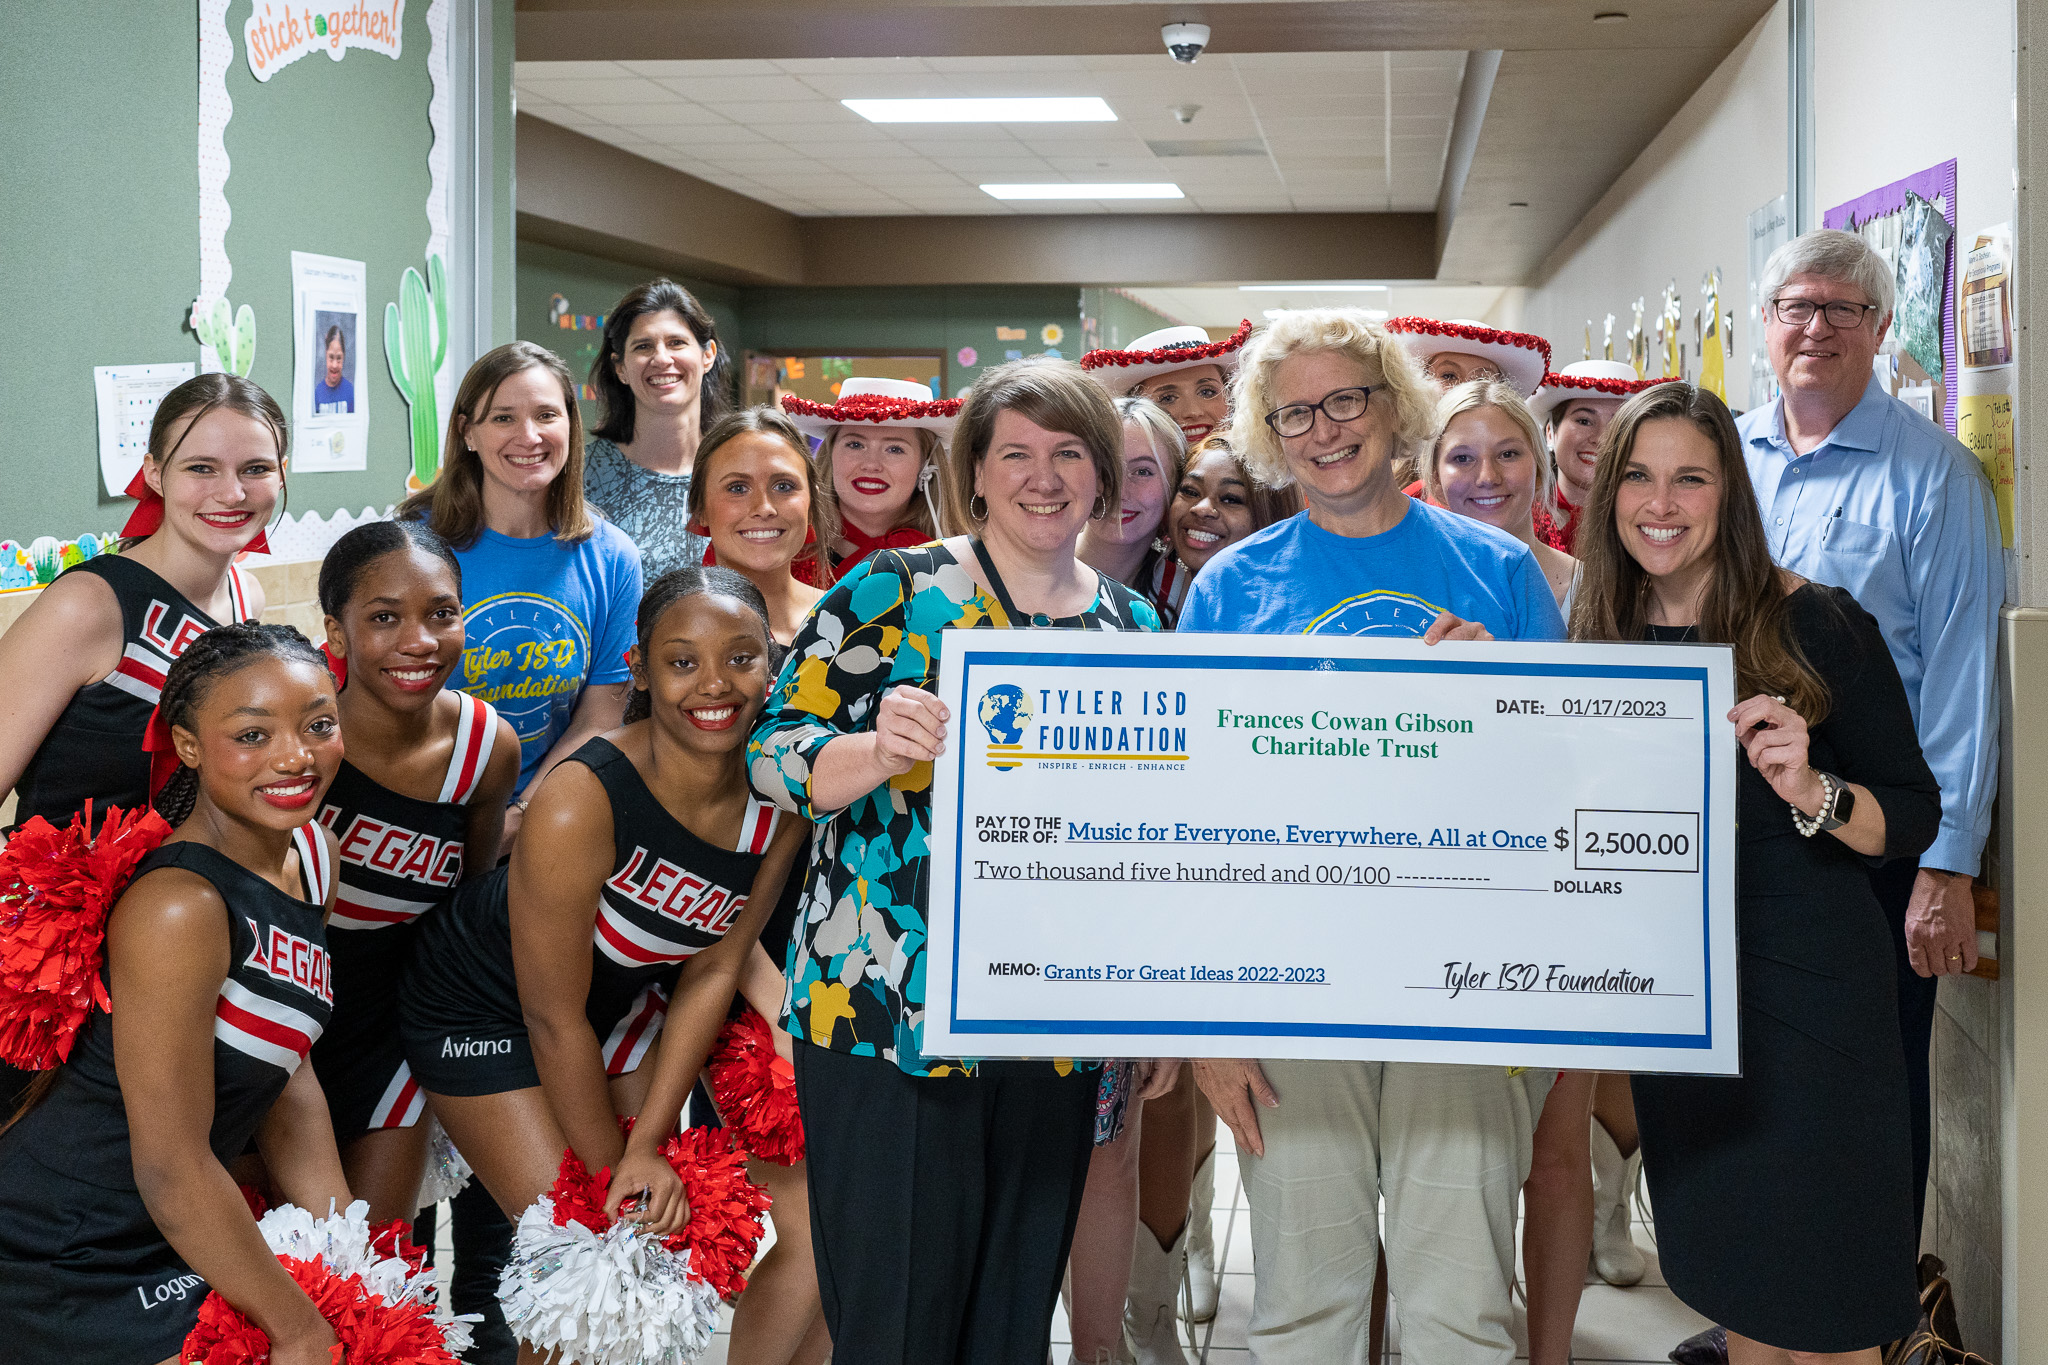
(1345, 405)
(1841, 314)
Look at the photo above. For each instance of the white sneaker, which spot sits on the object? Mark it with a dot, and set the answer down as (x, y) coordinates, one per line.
(1616, 1257)
(1199, 1301)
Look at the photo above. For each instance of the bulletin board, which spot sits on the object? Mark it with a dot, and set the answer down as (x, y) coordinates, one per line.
(329, 156)
(818, 377)
(1912, 224)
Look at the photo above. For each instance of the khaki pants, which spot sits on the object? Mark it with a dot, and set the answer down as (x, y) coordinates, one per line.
(1449, 1147)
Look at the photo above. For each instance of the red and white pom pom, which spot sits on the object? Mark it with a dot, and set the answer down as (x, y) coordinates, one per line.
(371, 1285)
(56, 887)
(755, 1091)
(603, 1293)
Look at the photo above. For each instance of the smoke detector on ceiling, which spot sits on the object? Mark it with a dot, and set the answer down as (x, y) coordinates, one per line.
(1185, 113)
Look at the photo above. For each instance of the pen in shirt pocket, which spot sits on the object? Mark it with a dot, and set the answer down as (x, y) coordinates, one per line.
(1828, 527)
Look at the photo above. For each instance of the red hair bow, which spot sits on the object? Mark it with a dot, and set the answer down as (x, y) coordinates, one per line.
(149, 513)
(162, 750)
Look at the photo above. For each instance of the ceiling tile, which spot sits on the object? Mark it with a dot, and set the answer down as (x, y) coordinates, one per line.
(620, 90)
(1003, 65)
(566, 71)
(650, 115)
(790, 111)
(775, 130)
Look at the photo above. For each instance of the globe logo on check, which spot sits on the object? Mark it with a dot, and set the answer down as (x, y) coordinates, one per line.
(1004, 711)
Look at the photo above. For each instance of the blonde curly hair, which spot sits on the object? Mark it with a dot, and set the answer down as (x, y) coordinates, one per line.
(1354, 334)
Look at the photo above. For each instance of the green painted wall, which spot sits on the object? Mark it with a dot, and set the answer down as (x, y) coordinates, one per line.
(590, 285)
(331, 157)
(99, 213)
(896, 320)
(785, 320)
(1111, 319)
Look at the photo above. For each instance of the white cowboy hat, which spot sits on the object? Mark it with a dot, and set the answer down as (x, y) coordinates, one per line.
(1162, 352)
(877, 402)
(1521, 357)
(1590, 379)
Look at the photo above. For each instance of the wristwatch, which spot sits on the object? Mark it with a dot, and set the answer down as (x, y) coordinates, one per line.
(1837, 804)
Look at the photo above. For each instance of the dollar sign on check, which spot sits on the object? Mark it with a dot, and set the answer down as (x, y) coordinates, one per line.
(1564, 840)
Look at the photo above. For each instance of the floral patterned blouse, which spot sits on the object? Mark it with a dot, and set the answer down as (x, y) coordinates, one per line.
(856, 965)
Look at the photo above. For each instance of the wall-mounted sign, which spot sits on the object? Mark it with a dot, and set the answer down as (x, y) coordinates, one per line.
(279, 32)
(1010, 333)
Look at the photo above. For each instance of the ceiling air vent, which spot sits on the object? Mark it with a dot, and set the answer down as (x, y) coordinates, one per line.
(1229, 146)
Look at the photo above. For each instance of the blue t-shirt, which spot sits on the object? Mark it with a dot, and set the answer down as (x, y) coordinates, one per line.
(543, 620)
(1296, 578)
(340, 398)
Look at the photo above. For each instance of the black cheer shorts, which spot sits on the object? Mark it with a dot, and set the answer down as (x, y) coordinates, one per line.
(458, 1009)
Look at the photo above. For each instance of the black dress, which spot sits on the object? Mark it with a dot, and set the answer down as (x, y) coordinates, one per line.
(1784, 1198)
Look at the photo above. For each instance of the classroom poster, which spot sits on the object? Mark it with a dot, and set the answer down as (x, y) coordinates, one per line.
(330, 384)
(1911, 223)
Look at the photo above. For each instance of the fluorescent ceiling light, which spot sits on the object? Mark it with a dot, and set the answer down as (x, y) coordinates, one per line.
(1028, 109)
(1154, 190)
(1315, 288)
(1371, 314)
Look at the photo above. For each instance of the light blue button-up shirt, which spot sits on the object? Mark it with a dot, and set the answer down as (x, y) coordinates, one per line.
(1897, 511)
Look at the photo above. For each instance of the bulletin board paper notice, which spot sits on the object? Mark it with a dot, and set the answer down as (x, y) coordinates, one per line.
(127, 397)
(330, 384)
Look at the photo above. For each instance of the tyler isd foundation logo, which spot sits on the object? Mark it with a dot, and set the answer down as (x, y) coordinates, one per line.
(1004, 711)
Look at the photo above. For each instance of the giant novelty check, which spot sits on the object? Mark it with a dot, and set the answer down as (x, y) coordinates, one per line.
(1337, 847)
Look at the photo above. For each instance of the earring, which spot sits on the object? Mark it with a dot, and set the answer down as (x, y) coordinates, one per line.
(980, 514)
(1101, 508)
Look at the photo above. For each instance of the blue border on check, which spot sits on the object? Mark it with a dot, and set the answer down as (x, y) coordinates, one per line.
(1702, 1041)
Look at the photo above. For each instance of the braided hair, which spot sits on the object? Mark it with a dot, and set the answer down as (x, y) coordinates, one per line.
(209, 658)
(673, 587)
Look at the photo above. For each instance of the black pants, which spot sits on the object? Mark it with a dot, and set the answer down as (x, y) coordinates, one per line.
(942, 1208)
(1893, 885)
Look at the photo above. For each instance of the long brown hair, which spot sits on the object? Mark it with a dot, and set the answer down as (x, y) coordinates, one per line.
(453, 505)
(1744, 604)
(656, 296)
(775, 423)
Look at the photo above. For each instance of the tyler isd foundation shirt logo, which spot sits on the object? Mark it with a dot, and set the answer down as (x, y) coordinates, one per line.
(1004, 712)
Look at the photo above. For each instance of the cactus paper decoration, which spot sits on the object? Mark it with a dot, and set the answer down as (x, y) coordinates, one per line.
(415, 344)
(231, 334)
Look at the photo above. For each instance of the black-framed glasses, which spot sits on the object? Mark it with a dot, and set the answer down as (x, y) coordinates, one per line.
(1840, 313)
(1345, 405)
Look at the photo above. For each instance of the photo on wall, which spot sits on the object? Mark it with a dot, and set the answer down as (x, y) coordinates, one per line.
(330, 388)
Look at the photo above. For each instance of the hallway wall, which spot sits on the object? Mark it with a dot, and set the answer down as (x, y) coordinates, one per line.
(1680, 210)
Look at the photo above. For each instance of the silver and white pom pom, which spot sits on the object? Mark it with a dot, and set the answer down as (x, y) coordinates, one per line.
(447, 1173)
(618, 1297)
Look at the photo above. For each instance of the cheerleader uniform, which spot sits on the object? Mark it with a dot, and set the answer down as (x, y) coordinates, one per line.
(95, 748)
(94, 751)
(669, 895)
(84, 1272)
(399, 858)
(1164, 583)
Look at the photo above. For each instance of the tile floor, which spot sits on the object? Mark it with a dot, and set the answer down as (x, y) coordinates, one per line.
(1639, 1324)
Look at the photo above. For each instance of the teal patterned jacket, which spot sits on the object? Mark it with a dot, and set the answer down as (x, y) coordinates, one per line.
(855, 969)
